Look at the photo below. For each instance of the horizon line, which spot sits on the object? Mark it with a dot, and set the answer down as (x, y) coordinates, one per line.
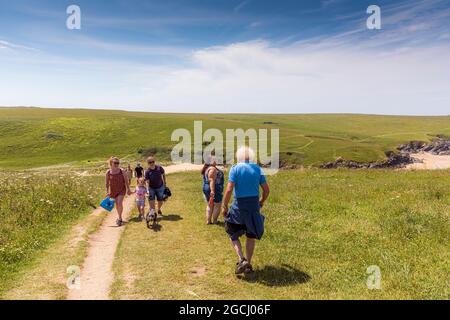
(218, 113)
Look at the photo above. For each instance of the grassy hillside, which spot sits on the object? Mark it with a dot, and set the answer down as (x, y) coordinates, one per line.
(33, 137)
(320, 238)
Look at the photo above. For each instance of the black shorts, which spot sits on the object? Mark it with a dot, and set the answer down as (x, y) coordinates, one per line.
(237, 230)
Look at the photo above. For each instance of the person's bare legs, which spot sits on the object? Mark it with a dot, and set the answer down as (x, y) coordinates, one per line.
(216, 212)
(152, 204)
(238, 248)
(141, 211)
(250, 249)
(160, 204)
(119, 206)
(208, 214)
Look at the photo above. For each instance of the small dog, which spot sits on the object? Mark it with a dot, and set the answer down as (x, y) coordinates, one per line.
(151, 218)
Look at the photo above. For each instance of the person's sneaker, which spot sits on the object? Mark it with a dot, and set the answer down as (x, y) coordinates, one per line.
(249, 269)
(119, 222)
(160, 212)
(241, 266)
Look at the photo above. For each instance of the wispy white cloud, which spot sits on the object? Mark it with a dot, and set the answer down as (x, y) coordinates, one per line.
(415, 23)
(241, 5)
(13, 46)
(255, 77)
(91, 43)
(327, 3)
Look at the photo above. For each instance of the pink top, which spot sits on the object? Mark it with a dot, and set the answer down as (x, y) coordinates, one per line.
(141, 192)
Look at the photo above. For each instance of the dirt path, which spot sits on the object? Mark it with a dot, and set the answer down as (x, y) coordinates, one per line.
(96, 272)
(429, 161)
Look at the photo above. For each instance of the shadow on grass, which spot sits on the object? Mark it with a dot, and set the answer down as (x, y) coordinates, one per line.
(172, 217)
(136, 220)
(272, 276)
(155, 227)
(124, 223)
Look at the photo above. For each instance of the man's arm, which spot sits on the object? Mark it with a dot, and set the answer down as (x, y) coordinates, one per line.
(227, 198)
(163, 174)
(265, 195)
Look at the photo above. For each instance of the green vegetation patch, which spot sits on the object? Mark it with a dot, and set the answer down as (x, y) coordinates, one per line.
(35, 208)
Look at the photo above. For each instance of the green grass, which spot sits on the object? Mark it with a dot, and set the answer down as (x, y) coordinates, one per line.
(321, 236)
(35, 210)
(55, 136)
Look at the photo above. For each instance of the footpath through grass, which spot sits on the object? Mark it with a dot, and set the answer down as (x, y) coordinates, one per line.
(324, 229)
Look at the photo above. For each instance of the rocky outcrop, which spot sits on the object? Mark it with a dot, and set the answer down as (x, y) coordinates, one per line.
(439, 146)
(394, 160)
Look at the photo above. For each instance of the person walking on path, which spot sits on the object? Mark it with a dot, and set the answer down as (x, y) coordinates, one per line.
(139, 171)
(129, 174)
(244, 216)
(213, 181)
(117, 186)
(141, 193)
(156, 180)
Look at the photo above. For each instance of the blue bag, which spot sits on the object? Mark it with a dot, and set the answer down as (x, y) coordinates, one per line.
(107, 204)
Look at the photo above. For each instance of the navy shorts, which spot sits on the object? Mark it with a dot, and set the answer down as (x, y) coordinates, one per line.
(156, 194)
(235, 231)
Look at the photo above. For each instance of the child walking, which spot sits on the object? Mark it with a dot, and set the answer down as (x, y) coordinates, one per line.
(141, 194)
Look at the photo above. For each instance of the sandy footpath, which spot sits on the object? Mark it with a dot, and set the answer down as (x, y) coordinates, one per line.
(96, 272)
(428, 161)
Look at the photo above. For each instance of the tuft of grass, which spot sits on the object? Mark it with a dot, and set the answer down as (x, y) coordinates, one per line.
(322, 233)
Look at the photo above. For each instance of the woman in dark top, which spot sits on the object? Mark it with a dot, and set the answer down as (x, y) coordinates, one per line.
(117, 186)
(156, 181)
(213, 181)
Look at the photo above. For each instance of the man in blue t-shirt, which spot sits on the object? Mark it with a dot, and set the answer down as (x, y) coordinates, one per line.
(244, 215)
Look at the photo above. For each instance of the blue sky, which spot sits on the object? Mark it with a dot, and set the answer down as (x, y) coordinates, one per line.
(228, 56)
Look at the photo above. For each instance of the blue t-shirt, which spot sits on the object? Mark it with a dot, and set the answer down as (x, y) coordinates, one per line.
(247, 178)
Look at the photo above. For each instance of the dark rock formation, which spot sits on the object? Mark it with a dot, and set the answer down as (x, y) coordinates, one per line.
(439, 146)
(393, 161)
